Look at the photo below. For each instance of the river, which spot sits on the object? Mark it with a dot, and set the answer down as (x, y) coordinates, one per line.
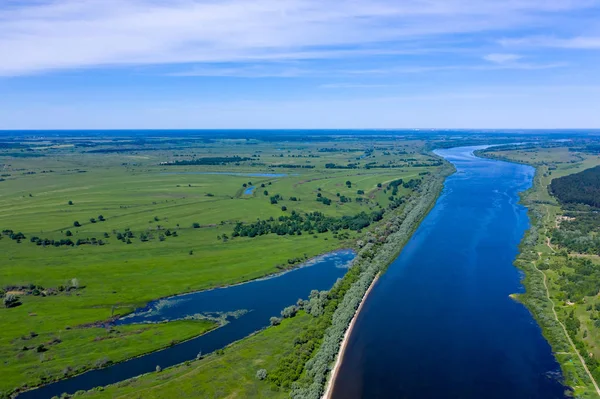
(258, 300)
(440, 324)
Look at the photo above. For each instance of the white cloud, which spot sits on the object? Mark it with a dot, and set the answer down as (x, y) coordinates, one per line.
(49, 35)
(502, 58)
(579, 42)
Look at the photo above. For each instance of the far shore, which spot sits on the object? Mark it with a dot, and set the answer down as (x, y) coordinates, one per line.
(340, 356)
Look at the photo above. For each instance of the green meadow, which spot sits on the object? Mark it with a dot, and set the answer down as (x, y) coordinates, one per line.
(231, 373)
(142, 229)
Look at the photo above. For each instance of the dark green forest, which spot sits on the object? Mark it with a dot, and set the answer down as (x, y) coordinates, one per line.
(578, 188)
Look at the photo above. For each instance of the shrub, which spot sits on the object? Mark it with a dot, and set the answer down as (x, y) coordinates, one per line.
(261, 374)
(11, 301)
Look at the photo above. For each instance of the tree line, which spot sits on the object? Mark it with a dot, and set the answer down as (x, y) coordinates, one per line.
(312, 222)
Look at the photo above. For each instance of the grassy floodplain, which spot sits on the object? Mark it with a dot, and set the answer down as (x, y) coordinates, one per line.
(300, 370)
(567, 317)
(149, 229)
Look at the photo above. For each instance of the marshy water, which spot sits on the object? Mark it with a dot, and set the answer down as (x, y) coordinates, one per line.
(247, 307)
(440, 323)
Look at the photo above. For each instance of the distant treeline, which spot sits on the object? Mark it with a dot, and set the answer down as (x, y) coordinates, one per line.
(291, 166)
(340, 150)
(590, 149)
(210, 161)
(578, 188)
(124, 149)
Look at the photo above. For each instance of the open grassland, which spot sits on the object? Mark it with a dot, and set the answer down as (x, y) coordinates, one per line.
(228, 374)
(147, 230)
(567, 315)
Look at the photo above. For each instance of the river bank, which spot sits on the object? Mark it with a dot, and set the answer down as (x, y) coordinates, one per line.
(340, 356)
(537, 297)
(441, 311)
(373, 258)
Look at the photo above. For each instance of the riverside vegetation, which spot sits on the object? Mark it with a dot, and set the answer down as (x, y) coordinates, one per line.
(94, 227)
(302, 370)
(559, 254)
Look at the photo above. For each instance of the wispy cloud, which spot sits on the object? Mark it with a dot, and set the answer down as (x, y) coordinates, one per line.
(502, 58)
(49, 35)
(579, 43)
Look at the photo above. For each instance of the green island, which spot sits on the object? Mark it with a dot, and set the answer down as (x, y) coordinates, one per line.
(560, 254)
(93, 228)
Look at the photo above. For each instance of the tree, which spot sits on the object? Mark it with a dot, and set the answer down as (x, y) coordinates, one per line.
(261, 374)
(76, 224)
(284, 208)
(288, 312)
(70, 202)
(68, 233)
(348, 183)
(265, 192)
(92, 220)
(275, 321)
(101, 218)
(196, 225)
(11, 301)
(158, 369)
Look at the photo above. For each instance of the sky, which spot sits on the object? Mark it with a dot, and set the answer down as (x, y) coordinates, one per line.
(194, 64)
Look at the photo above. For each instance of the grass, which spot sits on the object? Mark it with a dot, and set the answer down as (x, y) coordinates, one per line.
(230, 375)
(132, 190)
(75, 350)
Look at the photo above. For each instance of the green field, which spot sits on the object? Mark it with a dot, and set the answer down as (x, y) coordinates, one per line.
(180, 221)
(231, 374)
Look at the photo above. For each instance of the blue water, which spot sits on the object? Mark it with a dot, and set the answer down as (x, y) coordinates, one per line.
(260, 298)
(439, 324)
(249, 190)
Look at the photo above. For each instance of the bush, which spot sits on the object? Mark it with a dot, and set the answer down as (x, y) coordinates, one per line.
(11, 301)
(288, 312)
(261, 374)
(196, 225)
(275, 321)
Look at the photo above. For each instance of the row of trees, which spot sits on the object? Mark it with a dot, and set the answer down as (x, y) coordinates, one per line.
(310, 223)
(210, 161)
(373, 258)
(305, 370)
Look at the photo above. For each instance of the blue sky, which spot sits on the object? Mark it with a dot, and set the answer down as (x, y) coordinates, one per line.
(69, 64)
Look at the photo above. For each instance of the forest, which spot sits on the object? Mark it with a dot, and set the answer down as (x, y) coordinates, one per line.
(578, 188)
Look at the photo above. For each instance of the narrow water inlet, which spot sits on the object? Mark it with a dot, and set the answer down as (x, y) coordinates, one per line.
(262, 299)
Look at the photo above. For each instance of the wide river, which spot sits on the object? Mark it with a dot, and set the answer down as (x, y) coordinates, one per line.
(440, 324)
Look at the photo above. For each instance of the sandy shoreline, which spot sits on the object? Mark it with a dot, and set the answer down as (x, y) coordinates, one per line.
(340, 356)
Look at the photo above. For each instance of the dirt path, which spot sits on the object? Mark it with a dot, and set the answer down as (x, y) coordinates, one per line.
(340, 356)
(581, 359)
